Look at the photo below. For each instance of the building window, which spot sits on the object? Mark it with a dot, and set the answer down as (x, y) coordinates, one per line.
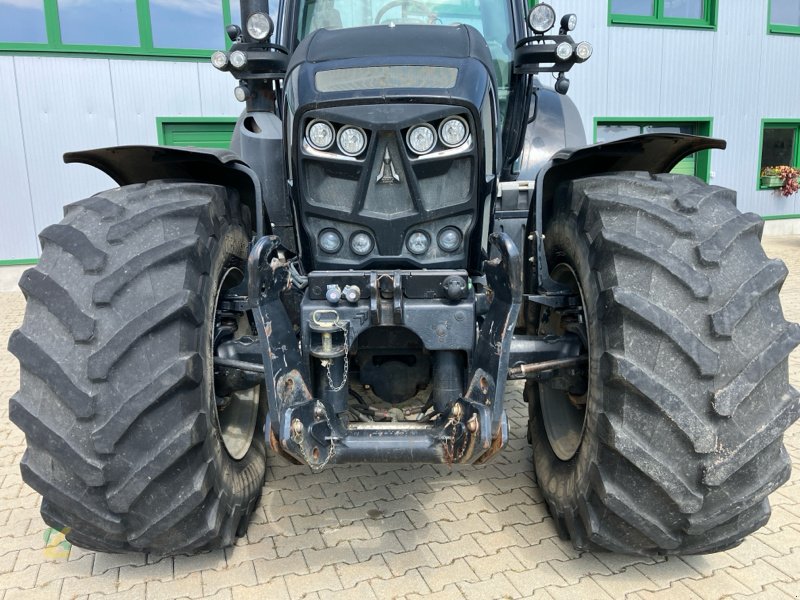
(784, 16)
(22, 22)
(699, 164)
(199, 132)
(159, 28)
(667, 13)
(780, 145)
(200, 24)
(99, 23)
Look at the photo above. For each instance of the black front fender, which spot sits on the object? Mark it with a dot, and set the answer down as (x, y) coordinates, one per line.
(654, 153)
(128, 165)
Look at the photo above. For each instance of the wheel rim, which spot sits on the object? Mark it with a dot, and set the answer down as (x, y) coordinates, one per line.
(563, 403)
(236, 413)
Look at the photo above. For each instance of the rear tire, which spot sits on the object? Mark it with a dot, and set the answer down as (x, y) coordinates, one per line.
(116, 389)
(688, 393)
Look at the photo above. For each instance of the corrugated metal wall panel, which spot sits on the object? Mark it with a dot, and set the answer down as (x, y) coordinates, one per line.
(780, 82)
(216, 92)
(66, 104)
(144, 90)
(634, 70)
(685, 64)
(734, 100)
(17, 229)
(589, 83)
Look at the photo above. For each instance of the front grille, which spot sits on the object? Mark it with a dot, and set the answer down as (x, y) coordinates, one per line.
(387, 191)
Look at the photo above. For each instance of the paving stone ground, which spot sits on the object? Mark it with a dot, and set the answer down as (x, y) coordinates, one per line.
(384, 532)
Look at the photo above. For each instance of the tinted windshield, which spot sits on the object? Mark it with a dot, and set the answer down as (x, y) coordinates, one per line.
(491, 17)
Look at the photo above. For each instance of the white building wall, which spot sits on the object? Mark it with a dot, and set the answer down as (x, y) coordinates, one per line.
(53, 105)
(17, 227)
(737, 74)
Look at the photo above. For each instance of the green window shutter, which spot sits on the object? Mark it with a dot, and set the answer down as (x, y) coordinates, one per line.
(200, 133)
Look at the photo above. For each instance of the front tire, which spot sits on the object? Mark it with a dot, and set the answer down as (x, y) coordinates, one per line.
(688, 393)
(116, 395)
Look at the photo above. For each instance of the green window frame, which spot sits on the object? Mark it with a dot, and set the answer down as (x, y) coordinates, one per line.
(198, 132)
(145, 49)
(780, 28)
(791, 124)
(710, 8)
(702, 126)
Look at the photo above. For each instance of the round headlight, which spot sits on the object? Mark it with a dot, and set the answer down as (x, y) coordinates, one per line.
(421, 139)
(564, 50)
(542, 18)
(449, 239)
(219, 59)
(352, 140)
(238, 59)
(584, 50)
(453, 132)
(569, 22)
(330, 241)
(241, 93)
(418, 242)
(259, 26)
(320, 134)
(361, 243)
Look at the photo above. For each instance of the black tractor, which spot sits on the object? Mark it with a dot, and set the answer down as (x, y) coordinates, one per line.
(406, 219)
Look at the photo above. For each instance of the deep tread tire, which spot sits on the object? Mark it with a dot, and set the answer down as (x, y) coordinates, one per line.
(114, 351)
(689, 394)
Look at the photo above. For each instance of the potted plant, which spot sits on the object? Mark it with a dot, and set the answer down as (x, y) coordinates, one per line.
(770, 178)
(789, 177)
(783, 177)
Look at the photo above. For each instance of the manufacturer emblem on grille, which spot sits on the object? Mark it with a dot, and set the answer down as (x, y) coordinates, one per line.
(388, 173)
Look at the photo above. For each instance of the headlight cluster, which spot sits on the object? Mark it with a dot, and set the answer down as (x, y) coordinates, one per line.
(331, 241)
(452, 132)
(449, 240)
(418, 242)
(321, 135)
(237, 59)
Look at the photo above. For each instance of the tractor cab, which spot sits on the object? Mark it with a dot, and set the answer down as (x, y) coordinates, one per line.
(493, 21)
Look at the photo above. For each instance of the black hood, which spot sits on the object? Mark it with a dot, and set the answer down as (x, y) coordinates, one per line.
(460, 47)
(382, 41)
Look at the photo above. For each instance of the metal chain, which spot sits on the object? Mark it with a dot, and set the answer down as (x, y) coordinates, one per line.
(297, 438)
(340, 387)
(450, 441)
